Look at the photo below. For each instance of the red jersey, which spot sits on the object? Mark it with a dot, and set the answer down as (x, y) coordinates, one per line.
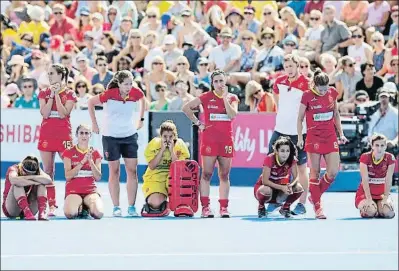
(279, 174)
(377, 173)
(320, 113)
(83, 182)
(55, 127)
(7, 184)
(219, 127)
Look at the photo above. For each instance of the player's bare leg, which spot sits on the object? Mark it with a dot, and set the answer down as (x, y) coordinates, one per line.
(263, 195)
(114, 186)
(95, 205)
(297, 191)
(71, 206)
(48, 159)
(304, 182)
(224, 185)
(208, 165)
(17, 202)
(387, 210)
(314, 184)
(131, 184)
(332, 161)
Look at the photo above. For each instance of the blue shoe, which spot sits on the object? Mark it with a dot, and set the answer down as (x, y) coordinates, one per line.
(271, 207)
(117, 211)
(132, 211)
(299, 209)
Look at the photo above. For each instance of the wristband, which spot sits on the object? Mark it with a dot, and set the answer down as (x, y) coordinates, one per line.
(142, 119)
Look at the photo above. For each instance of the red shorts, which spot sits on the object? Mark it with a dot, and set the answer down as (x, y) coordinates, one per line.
(54, 145)
(321, 146)
(360, 196)
(67, 193)
(223, 149)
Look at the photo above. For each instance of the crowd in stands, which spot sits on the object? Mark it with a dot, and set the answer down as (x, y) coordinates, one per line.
(172, 46)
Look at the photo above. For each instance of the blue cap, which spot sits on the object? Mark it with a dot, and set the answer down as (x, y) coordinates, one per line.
(165, 18)
(291, 38)
(84, 11)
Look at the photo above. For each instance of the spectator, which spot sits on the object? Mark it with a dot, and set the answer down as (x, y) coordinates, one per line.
(271, 20)
(90, 47)
(98, 27)
(182, 89)
(202, 87)
(170, 26)
(38, 64)
(183, 72)
(24, 48)
(12, 91)
(227, 55)
(135, 50)
(11, 10)
(162, 103)
(290, 44)
(203, 75)
(104, 76)
(216, 21)
(250, 22)
(234, 20)
(354, 12)
(311, 39)
(361, 97)
(127, 9)
(152, 22)
(247, 40)
(380, 53)
(82, 90)
(338, 5)
(67, 61)
(37, 25)
(329, 63)
(19, 69)
(110, 49)
(157, 74)
(28, 98)
(84, 68)
(257, 99)
(97, 89)
(122, 33)
(385, 120)
(113, 19)
(335, 35)
(395, 17)
(312, 5)
(395, 68)
(304, 67)
(293, 25)
(188, 29)
(346, 80)
(3, 75)
(360, 51)
(192, 56)
(44, 44)
(378, 14)
(177, 8)
(151, 41)
(56, 48)
(203, 43)
(370, 82)
(85, 24)
(62, 25)
(171, 52)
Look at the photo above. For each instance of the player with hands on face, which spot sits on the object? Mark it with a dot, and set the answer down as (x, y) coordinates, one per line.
(376, 170)
(319, 104)
(160, 153)
(220, 108)
(274, 185)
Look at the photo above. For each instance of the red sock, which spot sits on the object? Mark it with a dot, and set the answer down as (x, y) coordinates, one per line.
(224, 203)
(291, 199)
(51, 195)
(42, 203)
(325, 183)
(314, 189)
(24, 206)
(204, 201)
(261, 198)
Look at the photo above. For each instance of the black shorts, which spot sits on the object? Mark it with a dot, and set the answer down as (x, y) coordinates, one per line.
(302, 158)
(115, 147)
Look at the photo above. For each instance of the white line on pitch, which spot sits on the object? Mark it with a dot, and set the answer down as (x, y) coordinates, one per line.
(355, 252)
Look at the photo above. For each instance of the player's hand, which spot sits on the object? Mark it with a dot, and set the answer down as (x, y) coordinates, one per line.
(90, 155)
(94, 127)
(342, 140)
(85, 159)
(56, 88)
(300, 142)
(384, 202)
(286, 190)
(164, 145)
(139, 124)
(225, 92)
(171, 145)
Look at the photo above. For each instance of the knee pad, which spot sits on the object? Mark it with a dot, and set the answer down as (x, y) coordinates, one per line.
(183, 187)
(148, 211)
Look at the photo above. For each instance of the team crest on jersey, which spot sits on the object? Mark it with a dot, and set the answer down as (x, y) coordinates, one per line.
(212, 100)
(64, 99)
(208, 149)
(316, 146)
(44, 144)
(330, 99)
(74, 156)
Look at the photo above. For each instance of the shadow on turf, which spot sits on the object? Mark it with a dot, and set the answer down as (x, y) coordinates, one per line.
(255, 218)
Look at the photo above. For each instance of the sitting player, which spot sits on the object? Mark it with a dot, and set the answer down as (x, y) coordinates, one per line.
(274, 185)
(82, 169)
(160, 153)
(376, 170)
(25, 190)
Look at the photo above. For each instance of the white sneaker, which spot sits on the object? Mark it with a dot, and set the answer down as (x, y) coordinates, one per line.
(117, 211)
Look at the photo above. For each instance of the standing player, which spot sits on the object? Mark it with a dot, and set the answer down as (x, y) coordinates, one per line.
(274, 184)
(376, 170)
(82, 170)
(24, 190)
(56, 104)
(120, 134)
(322, 117)
(287, 93)
(220, 108)
(160, 153)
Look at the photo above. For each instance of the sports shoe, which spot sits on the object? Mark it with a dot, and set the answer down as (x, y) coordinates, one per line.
(43, 216)
(117, 211)
(271, 207)
(52, 211)
(207, 212)
(224, 213)
(131, 210)
(28, 215)
(299, 209)
(262, 211)
(285, 212)
(318, 210)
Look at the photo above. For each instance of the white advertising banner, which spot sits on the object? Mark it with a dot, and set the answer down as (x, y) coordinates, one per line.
(20, 129)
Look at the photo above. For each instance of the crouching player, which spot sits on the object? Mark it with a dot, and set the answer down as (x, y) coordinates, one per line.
(376, 170)
(82, 169)
(25, 190)
(160, 153)
(274, 185)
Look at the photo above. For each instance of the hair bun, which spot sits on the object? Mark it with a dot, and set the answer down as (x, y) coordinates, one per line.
(170, 121)
(317, 71)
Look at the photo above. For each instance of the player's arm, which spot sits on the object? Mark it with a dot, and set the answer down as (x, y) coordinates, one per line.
(294, 172)
(276, 96)
(364, 173)
(64, 111)
(153, 163)
(42, 178)
(231, 109)
(69, 171)
(95, 167)
(337, 120)
(299, 123)
(267, 182)
(20, 180)
(91, 103)
(388, 180)
(45, 108)
(188, 110)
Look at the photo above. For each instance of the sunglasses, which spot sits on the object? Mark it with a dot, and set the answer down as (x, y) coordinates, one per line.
(226, 37)
(158, 63)
(58, 13)
(112, 13)
(267, 13)
(181, 64)
(304, 66)
(376, 40)
(161, 90)
(350, 65)
(28, 40)
(81, 86)
(290, 44)
(84, 133)
(28, 86)
(102, 65)
(89, 38)
(35, 58)
(357, 36)
(203, 64)
(248, 13)
(267, 38)
(151, 16)
(135, 37)
(246, 38)
(257, 92)
(314, 19)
